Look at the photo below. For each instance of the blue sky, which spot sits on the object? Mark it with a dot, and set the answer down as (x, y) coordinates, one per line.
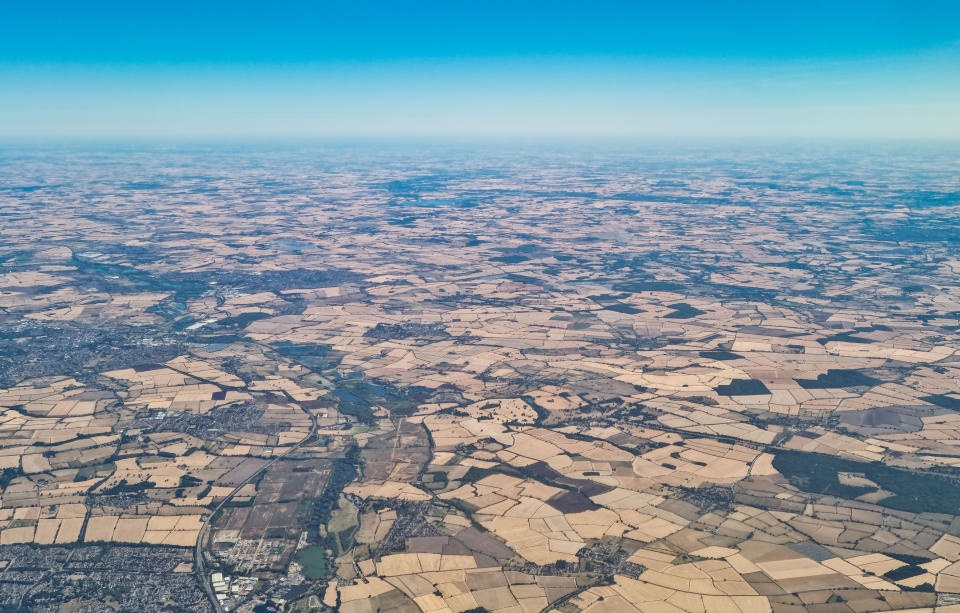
(689, 69)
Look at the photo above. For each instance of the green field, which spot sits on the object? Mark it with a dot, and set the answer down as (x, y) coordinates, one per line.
(343, 521)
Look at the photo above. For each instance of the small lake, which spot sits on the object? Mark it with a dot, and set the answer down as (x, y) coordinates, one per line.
(314, 560)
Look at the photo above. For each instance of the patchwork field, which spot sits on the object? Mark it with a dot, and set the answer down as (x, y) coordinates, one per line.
(537, 381)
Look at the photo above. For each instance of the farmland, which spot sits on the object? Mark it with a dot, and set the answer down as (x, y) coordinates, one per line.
(328, 379)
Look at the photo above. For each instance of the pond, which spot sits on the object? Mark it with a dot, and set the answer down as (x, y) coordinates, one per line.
(314, 560)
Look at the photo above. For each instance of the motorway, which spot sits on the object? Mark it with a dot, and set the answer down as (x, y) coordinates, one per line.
(198, 549)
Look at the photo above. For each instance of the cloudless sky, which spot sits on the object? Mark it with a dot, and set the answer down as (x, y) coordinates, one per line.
(777, 68)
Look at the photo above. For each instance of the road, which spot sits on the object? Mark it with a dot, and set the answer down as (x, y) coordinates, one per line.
(198, 549)
(23, 596)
